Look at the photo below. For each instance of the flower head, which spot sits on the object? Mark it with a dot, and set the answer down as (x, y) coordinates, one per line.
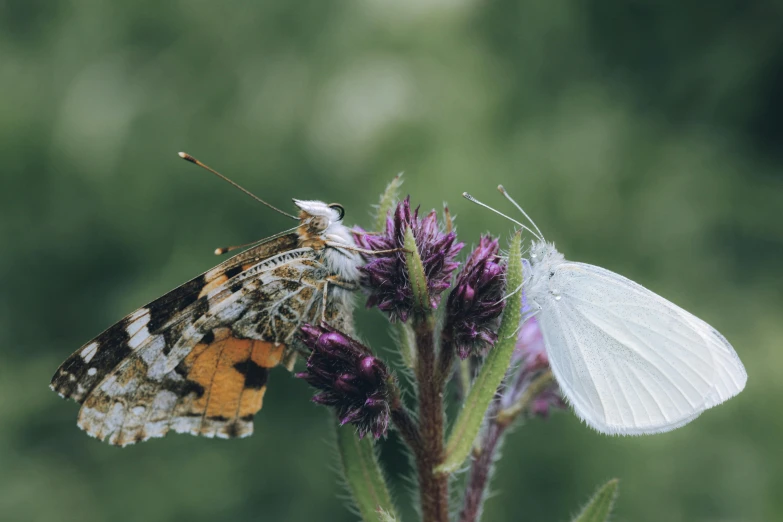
(350, 378)
(386, 276)
(474, 306)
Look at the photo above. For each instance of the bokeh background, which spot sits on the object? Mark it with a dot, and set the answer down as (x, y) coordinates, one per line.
(642, 136)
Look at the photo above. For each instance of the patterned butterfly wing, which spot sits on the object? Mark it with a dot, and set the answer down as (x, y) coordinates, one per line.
(196, 360)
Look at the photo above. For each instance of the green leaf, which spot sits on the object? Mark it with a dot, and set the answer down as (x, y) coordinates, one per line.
(470, 418)
(407, 342)
(364, 476)
(387, 201)
(385, 516)
(464, 377)
(599, 507)
(416, 275)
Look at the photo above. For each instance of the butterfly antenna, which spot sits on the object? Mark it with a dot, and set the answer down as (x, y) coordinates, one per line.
(448, 218)
(477, 202)
(191, 159)
(508, 197)
(222, 250)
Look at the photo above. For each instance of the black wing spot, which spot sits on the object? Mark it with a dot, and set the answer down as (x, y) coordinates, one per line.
(231, 272)
(164, 309)
(208, 338)
(255, 375)
(232, 430)
(183, 388)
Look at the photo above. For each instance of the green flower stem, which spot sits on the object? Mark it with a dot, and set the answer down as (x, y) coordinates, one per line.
(387, 201)
(407, 343)
(363, 475)
(385, 516)
(472, 415)
(481, 467)
(600, 506)
(417, 276)
(463, 378)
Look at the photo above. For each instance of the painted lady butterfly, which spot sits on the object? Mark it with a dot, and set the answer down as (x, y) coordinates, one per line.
(196, 360)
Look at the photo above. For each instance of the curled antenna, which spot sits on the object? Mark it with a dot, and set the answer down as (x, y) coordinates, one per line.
(508, 197)
(188, 157)
(477, 202)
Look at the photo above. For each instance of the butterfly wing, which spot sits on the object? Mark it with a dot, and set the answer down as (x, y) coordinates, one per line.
(196, 359)
(629, 361)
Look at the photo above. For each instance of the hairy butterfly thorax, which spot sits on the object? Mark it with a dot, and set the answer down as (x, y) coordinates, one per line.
(197, 359)
(543, 261)
(321, 229)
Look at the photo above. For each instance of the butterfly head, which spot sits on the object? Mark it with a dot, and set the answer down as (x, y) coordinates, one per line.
(318, 216)
(544, 253)
(319, 221)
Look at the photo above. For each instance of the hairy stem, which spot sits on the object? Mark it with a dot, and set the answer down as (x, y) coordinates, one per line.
(481, 469)
(407, 427)
(433, 487)
(499, 420)
(445, 365)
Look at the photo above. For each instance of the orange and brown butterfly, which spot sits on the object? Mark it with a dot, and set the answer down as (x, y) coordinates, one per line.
(196, 360)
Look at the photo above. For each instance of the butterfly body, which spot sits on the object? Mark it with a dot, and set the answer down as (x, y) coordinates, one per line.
(197, 359)
(627, 360)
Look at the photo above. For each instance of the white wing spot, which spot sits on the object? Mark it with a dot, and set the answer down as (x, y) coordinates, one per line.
(137, 324)
(164, 400)
(138, 337)
(89, 351)
(92, 371)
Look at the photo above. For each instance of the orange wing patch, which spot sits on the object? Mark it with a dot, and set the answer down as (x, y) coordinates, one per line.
(233, 374)
(214, 392)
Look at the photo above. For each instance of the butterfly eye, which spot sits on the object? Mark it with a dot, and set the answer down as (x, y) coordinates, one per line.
(340, 210)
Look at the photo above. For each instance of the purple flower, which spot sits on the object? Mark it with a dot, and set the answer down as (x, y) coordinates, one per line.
(530, 355)
(386, 276)
(350, 377)
(474, 306)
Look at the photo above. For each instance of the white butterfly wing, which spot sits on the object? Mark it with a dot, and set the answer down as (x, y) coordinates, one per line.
(629, 361)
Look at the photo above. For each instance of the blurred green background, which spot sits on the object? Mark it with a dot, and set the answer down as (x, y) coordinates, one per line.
(644, 137)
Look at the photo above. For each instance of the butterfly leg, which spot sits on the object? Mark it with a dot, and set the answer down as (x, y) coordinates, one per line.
(324, 301)
(335, 281)
(528, 316)
(343, 283)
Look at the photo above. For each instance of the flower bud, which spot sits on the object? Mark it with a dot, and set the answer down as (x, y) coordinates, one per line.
(474, 306)
(349, 377)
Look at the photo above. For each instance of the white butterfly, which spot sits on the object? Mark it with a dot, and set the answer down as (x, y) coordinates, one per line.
(627, 360)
